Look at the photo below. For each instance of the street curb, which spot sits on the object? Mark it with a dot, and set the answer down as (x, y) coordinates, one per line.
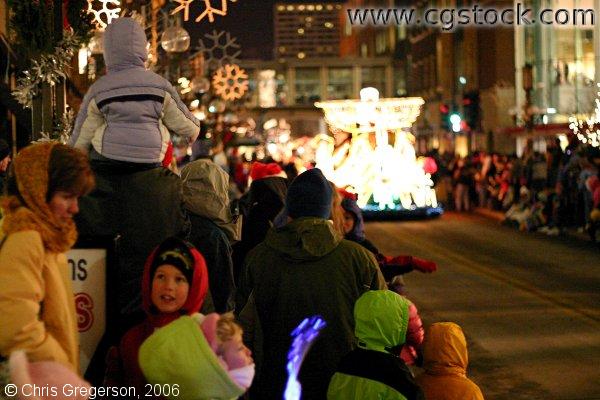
(485, 212)
(499, 217)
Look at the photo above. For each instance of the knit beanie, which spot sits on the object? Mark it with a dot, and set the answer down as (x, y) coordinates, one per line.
(4, 149)
(309, 195)
(260, 170)
(174, 252)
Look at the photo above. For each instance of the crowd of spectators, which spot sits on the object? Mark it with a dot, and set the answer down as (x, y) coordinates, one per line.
(547, 191)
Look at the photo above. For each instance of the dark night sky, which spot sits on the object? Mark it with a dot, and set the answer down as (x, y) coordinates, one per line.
(250, 21)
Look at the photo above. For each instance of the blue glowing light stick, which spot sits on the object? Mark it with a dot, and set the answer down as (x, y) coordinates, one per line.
(303, 337)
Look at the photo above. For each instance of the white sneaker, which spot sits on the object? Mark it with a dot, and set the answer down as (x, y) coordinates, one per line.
(553, 231)
(544, 229)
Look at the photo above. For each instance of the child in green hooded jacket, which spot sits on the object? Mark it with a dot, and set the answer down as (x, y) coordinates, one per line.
(199, 357)
(374, 370)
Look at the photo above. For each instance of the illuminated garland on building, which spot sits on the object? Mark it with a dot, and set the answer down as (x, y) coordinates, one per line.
(50, 68)
(588, 130)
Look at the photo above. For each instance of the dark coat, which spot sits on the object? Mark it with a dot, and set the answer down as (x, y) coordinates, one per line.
(141, 208)
(303, 269)
(259, 206)
(214, 245)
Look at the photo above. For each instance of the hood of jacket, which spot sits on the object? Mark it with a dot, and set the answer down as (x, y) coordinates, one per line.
(357, 234)
(206, 193)
(198, 286)
(268, 192)
(179, 353)
(304, 239)
(381, 321)
(124, 45)
(445, 350)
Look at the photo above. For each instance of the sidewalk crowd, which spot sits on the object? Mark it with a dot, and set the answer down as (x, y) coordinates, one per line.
(546, 192)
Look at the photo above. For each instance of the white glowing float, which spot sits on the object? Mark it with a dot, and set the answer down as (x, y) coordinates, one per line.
(379, 162)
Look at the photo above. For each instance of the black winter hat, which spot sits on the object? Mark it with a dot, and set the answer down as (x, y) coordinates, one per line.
(309, 195)
(175, 252)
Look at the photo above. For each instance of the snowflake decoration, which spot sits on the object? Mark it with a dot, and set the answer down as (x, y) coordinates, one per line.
(209, 11)
(185, 6)
(230, 82)
(223, 49)
(106, 14)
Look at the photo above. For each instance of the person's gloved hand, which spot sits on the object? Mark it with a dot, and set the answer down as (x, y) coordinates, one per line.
(423, 265)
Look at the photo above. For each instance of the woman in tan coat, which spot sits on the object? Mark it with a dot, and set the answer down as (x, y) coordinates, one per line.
(445, 361)
(37, 311)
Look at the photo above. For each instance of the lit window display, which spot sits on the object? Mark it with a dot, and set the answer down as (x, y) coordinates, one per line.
(339, 83)
(308, 85)
(562, 57)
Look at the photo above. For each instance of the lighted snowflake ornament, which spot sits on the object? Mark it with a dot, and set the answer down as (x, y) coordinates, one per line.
(209, 10)
(183, 5)
(230, 82)
(110, 10)
(219, 49)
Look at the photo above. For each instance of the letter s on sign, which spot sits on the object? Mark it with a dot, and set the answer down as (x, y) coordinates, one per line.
(84, 306)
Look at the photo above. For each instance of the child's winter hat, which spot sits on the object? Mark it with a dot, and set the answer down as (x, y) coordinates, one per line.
(309, 195)
(349, 204)
(175, 252)
(381, 320)
(179, 353)
(260, 170)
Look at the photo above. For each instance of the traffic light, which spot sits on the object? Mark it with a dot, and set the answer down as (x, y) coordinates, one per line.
(445, 117)
(471, 109)
(456, 122)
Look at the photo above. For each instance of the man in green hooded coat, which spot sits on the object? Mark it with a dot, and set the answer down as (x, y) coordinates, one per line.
(302, 269)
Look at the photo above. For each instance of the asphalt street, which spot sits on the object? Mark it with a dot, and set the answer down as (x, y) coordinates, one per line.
(529, 304)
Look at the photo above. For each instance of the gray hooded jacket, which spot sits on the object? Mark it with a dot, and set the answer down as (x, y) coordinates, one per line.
(129, 114)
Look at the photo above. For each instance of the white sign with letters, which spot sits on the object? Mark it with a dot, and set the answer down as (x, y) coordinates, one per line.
(87, 268)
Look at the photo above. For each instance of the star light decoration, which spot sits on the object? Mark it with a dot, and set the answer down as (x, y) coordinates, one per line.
(220, 49)
(587, 130)
(209, 11)
(230, 82)
(110, 10)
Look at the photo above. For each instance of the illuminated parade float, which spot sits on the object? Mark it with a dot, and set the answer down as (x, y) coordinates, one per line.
(375, 157)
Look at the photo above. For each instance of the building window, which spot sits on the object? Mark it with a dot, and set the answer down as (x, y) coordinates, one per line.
(373, 77)
(399, 81)
(339, 83)
(381, 43)
(308, 85)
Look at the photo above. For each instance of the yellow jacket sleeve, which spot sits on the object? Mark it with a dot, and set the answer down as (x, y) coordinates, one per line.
(22, 292)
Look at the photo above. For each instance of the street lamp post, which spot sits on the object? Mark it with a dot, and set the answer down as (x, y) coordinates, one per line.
(527, 77)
